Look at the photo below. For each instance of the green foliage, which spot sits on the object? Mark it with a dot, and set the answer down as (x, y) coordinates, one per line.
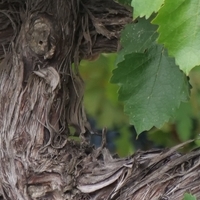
(145, 7)
(137, 38)
(189, 197)
(124, 146)
(180, 31)
(151, 85)
(158, 50)
(184, 121)
(101, 96)
(185, 125)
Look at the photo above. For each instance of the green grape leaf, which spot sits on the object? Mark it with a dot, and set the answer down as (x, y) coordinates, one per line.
(137, 38)
(189, 197)
(179, 31)
(145, 7)
(152, 87)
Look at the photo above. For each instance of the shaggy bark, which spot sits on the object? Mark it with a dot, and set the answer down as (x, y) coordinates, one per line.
(41, 97)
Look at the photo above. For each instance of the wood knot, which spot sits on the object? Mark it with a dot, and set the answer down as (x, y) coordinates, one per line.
(41, 37)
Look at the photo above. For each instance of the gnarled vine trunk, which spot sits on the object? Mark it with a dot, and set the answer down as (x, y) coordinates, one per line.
(41, 97)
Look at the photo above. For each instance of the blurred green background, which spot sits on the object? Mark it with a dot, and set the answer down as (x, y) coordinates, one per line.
(104, 110)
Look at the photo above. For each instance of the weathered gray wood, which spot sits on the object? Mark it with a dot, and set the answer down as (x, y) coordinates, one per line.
(41, 94)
